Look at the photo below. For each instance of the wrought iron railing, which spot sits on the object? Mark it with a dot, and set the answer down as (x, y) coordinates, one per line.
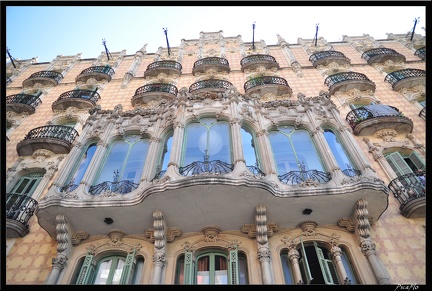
(211, 61)
(351, 172)
(159, 175)
(265, 80)
(98, 69)
(120, 187)
(421, 53)
(345, 76)
(83, 94)
(210, 84)
(47, 74)
(407, 187)
(360, 114)
(422, 113)
(20, 208)
(327, 54)
(258, 58)
(255, 170)
(370, 54)
(165, 64)
(157, 87)
(21, 98)
(298, 177)
(396, 76)
(65, 133)
(210, 167)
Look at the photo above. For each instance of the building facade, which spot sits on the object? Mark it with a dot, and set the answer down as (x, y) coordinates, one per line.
(220, 161)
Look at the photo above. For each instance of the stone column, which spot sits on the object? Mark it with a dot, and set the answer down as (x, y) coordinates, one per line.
(159, 259)
(264, 255)
(362, 230)
(294, 256)
(64, 248)
(336, 253)
(379, 157)
(290, 57)
(134, 66)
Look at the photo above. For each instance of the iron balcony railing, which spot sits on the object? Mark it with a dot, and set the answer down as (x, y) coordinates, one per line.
(421, 53)
(167, 64)
(30, 100)
(334, 79)
(159, 175)
(62, 132)
(211, 61)
(210, 84)
(258, 58)
(298, 177)
(378, 53)
(355, 116)
(255, 170)
(319, 56)
(422, 113)
(20, 208)
(206, 167)
(80, 94)
(156, 87)
(47, 74)
(98, 70)
(120, 187)
(397, 76)
(408, 187)
(350, 172)
(265, 80)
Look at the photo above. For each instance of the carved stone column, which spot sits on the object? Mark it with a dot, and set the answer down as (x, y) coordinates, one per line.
(362, 231)
(264, 255)
(291, 58)
(159, 259)
(336, 254)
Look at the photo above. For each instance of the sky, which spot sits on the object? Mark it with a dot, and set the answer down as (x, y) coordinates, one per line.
(47, 31)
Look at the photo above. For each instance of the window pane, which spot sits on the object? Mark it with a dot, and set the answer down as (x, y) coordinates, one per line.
(337, 150)
(84, 164)
(282, 153)
(135, 162)
(167, 151)
(219, 146)
(305, 150)
(103, 272)
(286, 267)
(248, 148)
(114, 161)
(117, 272)
(193, 152)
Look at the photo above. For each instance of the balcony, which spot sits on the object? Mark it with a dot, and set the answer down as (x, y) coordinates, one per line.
(212, 63)
(306, 177)
(381, 55)
(369, 119)
(207, 167)
(421, 53)
(55, 138)
(45, 78)
(99, 73)
(422, 113)
(410, 191)
(253, 61)
(327, 57)
(19, 209)
(406, 78)
(119, 187)
(346, 81)
(80, 99)
(165, 67)
(22, 103)
(267, 84)
(211, 85)
(154, 92)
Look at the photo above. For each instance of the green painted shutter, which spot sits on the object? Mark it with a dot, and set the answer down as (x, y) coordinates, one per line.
(417, 161)
(327, 267)
(87, 271)
(233, 268)
(128, 269)
(305, 265)
(189, 269)
(398, 164)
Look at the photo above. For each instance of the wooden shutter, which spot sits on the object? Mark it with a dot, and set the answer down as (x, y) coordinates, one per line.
(398, 164)
(233, 268)
(327, 267)
(128, 269)
(87, 271)
(417, 161)
(189, 270)
(305, 265)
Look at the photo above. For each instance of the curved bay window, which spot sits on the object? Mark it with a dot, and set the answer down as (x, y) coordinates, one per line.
(80, 169)
(340, 154)
(295, 155)
(207, 148)
(123, 166)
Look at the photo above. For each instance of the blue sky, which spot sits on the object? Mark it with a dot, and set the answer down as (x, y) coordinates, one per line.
(48, 31)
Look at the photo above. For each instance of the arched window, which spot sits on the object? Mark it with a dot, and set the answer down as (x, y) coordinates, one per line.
(212, 268)
(80, 168)
(286, 268)
(123, 165)
(249, 149)
(339, 152)
(165, 155)
(293, 150)
(110, 270)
